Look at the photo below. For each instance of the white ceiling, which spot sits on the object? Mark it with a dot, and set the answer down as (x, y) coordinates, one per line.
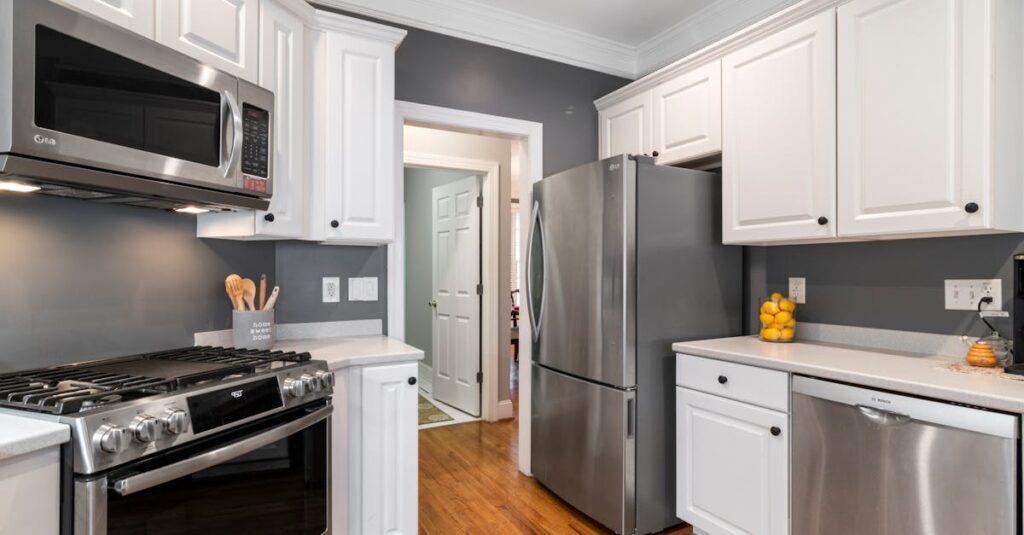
(630, 22)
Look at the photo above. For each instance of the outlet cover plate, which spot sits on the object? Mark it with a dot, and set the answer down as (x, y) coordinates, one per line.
(798, 289)
(362, 289)
(964, 294)
(332, 290)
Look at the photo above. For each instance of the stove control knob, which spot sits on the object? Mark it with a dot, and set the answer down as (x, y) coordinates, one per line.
(145, 428)
(295, 388)
(175, 422)
(326, 379)
(311, 383)
(111, 438)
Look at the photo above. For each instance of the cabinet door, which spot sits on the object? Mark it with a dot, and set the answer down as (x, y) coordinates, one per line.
(282, 71)
(626, 127)
(389, 449)
(779, 128)
(732, 466)
(688, 115)
(222, 33)
(360, 175)
(136, 15)
(913, 116)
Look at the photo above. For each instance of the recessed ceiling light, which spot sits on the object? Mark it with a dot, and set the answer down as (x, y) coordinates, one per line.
(17, 187)
(191, 210)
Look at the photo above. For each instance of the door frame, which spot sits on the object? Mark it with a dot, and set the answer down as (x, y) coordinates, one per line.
(489, 233)
(527, 165)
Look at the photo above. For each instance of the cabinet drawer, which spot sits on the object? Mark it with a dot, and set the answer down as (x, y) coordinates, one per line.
(767, 388)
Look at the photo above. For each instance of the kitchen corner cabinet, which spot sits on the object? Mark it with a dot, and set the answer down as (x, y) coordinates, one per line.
(688, 115)
(779, 131)
(923, 148)
(138, 16)
(375, 450)
(625, 127)
(354, 166)
(281, 70)
(221, 33)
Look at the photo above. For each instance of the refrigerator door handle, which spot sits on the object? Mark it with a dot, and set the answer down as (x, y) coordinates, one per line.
(536, 231)
(630, 418)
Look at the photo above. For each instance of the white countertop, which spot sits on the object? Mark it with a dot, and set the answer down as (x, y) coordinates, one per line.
(908, 373)
(343, 352)
(20, 435)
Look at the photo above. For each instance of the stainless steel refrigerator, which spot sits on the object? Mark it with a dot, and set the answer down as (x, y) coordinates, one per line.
(625, 257)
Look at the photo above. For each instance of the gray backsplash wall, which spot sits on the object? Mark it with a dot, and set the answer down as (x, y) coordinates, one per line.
(896, 284)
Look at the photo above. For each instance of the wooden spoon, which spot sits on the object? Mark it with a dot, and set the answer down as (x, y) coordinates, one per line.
(233, 286)
(272, 300)
(263, 291)
(249, 293)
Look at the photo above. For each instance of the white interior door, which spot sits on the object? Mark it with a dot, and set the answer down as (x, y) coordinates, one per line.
(456, 276)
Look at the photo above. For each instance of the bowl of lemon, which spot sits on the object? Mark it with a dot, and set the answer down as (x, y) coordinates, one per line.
(778, 319)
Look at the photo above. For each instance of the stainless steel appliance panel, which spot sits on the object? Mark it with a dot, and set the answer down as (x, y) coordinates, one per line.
(582, 286)
(873, 462)
(583, 445)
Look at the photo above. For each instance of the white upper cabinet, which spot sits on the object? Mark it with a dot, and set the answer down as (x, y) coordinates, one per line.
(921, 146)
(626, 127)
(136, 15)
(221, 33)
(354, 174)
(779, 128)
(688, 115)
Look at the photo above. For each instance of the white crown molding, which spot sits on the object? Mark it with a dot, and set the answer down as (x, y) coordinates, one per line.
(473, 21)
(323, 20)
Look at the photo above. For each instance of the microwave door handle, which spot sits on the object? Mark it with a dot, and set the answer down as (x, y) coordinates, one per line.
(139, 482)
(232, 119)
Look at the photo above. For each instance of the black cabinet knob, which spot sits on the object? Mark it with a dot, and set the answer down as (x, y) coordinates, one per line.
(722, 379)
(776, 431)
(412, 380)
(822, 220)
(334, 223)
(971, 207)
(269, 218)
(655, 154)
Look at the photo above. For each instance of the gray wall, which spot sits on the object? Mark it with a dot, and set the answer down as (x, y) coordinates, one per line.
(893, 284)
(436, 69)
(301, 267)
(418, 254)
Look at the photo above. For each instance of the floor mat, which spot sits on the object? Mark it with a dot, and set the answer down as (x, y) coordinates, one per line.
(430, 414)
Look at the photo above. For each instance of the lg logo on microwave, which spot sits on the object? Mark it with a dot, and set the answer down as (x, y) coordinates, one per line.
(237, 393)
(43, 140)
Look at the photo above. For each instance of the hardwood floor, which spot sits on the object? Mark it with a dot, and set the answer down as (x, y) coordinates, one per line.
(469, 483)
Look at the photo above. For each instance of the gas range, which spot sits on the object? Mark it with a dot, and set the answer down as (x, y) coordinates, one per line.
(125, 409)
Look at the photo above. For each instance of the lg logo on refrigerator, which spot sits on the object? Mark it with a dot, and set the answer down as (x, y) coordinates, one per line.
(43, 140)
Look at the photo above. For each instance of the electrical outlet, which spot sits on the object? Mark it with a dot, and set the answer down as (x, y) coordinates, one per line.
(964, 294)
(362, 289)
(332, 290)
(798, 289)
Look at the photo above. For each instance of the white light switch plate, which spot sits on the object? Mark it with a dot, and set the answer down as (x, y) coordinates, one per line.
(362, 289)
(964, 294)
(798, 289)
(332, 290)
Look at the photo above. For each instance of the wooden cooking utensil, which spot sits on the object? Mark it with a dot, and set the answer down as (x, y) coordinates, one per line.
(233, 286)
(263, 291)
(272, 299)
(249, 293)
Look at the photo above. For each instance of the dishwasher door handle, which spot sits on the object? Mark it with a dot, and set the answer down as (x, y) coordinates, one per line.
(883, 417)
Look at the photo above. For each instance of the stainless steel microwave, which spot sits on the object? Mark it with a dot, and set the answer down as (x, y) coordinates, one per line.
(93, 111)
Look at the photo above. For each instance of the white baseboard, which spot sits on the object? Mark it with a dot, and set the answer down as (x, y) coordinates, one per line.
(505, 409)
(426, 374)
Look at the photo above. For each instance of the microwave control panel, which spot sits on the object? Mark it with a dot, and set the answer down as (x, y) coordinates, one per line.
(255, 147)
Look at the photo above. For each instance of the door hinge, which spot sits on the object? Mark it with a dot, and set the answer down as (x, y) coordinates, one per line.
(479, 289)
(479, 377)
(480, 201)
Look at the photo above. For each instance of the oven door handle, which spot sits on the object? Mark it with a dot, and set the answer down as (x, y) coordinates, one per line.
(159, 476)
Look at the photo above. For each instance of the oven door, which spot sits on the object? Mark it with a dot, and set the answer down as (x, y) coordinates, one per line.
(87, 93)
(270, 477)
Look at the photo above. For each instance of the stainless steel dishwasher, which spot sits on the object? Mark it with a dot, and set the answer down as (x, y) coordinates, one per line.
(865, 461)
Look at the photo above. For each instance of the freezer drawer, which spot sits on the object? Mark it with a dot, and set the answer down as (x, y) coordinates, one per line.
(583, 446)
(873, 462)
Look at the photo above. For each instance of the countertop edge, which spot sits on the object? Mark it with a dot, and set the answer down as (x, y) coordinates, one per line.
(56, 435)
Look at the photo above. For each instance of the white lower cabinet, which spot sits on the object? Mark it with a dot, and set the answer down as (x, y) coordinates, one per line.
(30, 493)
(375, 450)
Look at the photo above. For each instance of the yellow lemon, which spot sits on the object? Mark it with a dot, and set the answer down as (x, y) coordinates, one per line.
(779, 326)
(775, 296)
(786, 334)
(791, 323)
(783, 316)
(787, 305)
(767, 319)
(770, 307)
(770, 333)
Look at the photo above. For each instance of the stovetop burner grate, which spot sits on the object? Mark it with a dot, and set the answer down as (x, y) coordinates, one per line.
(79, 387)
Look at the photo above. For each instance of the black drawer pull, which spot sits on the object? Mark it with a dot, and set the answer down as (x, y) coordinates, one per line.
(722, 379)
(776, 431)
